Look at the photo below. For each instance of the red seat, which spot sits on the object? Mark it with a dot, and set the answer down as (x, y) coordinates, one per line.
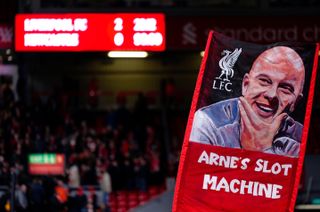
(133, 196)
(113, 209)
(122, 209)
(143, 196)
(122, 203)
(153, 191)
(133, 203)
(142, 202)
(122, 196)
(112, 195)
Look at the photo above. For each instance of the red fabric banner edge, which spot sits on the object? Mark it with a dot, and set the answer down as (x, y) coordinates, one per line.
(190, 120)
(305, 129)
(184, 150)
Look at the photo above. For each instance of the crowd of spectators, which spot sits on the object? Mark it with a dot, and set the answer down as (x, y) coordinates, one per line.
(113, 150)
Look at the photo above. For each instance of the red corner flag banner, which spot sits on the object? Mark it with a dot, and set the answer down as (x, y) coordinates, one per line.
(247, 130)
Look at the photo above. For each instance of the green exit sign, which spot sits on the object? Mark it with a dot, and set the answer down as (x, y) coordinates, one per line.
(46, 163)
(42, 159)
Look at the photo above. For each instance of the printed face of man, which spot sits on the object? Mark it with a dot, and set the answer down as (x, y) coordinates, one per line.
(275, 82)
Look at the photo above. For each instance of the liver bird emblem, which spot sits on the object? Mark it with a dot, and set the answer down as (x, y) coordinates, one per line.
(227, 62)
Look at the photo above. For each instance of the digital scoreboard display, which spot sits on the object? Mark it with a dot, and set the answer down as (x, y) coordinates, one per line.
(46, 164)
(90, 32)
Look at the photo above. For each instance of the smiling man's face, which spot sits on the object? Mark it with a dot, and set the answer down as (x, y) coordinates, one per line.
(274, 83)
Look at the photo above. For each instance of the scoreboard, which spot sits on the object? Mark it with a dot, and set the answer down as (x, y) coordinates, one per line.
(90, 32)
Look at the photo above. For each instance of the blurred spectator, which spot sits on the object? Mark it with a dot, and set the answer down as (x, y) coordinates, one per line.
(37, 197)
(78, 203)
(74, 176)
(115, 174)
(61, 195)
(21, 198)
(105, 186)
(128, 173)
(140, 173)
